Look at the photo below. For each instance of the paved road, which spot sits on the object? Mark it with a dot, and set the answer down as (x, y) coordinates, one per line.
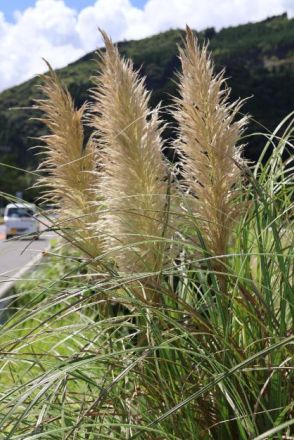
(17, 253)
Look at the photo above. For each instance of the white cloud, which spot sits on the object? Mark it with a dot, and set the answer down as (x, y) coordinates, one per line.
(45, 30)
(117, 17)
(199, 14)
(60, 34)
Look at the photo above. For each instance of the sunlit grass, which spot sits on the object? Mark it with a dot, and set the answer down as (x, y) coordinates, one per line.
(87, 355)
(200, 365)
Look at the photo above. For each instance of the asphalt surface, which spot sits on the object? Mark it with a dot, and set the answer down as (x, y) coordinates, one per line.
(16, 254)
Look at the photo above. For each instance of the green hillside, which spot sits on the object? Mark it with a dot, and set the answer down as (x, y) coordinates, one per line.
(259, 62)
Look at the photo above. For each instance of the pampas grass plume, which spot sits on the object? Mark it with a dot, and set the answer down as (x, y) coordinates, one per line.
(134, 173)
(69, 165)
(208, 134)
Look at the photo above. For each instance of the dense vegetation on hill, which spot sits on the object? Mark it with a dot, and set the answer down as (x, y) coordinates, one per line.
(259, 63)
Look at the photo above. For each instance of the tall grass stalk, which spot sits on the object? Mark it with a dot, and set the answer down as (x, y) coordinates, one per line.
(69, 166)
(133, 171)
(208, 134)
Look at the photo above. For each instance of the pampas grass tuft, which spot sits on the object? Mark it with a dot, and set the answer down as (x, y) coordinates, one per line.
(134, 173)
(208, 134)
(69, 165)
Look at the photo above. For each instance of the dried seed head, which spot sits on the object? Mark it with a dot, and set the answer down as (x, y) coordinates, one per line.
(69, 164)
(208, 134)
(134, 173)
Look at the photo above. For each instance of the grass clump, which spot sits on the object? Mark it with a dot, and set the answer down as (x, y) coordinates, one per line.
(196, 339)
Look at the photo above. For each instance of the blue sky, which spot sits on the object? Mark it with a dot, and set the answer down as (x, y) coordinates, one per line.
(9, 6)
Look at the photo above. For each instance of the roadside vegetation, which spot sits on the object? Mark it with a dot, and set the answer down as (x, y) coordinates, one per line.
(165, 310)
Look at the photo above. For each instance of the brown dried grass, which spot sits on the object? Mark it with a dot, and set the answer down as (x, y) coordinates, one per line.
(69, 166)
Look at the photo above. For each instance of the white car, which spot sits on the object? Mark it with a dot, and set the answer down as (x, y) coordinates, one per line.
(20, 219)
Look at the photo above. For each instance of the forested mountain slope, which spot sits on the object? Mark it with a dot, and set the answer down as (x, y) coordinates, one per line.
(259, 63)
